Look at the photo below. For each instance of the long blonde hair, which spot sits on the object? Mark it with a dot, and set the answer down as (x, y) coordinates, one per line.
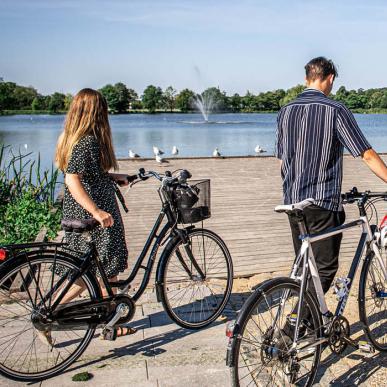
(88, 115)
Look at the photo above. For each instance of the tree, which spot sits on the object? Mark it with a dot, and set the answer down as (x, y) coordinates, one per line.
(123, 97)
(184, 100)
(291, 94)
(136, 105)
(110, 94)
(40, 102)
(7, 99)
(57, 103)
(248, 102)
(67, 101)
(133, 99)
(383, 101)
(23, 97)
(118, 97)
(354, 100)
(169, 98)
(235, 103)
(215, 99)
(152, 98)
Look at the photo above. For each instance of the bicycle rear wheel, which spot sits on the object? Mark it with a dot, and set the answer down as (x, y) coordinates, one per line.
(191, 300)
(261, 348)
(30, 348)
(373, 303)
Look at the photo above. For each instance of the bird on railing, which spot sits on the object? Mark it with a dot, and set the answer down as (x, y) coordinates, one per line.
(157, 151)
(132, 155)
(258, 149)
(175, 151)
(216, 152)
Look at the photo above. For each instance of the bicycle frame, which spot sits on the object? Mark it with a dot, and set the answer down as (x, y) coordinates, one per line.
(153, 240)
(307, 260)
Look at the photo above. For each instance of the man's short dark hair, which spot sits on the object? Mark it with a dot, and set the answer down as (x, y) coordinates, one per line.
(320, 68)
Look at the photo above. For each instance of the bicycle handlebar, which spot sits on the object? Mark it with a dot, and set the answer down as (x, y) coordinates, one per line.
(353, 195)
(166, 179)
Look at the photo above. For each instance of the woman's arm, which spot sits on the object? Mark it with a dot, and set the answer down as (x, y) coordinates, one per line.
(74, 184)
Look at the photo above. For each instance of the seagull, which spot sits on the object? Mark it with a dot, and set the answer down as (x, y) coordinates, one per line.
(175, 151)
(157, 151)
(25, 146)
(216, 152)
(258, 149)
(159, 159)
(132, 155)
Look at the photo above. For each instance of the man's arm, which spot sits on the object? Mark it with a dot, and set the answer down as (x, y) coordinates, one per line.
(375, 163)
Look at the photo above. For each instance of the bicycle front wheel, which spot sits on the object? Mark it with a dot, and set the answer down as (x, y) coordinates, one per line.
(261, 351)
(372, 301)
(197, 279)
(32, 347)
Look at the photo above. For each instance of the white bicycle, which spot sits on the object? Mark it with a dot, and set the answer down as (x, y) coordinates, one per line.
(282, 328)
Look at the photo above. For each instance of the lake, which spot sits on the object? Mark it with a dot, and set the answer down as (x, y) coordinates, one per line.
(233, 134)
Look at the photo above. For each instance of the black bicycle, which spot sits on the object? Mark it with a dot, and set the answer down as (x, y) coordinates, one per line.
(50, 297)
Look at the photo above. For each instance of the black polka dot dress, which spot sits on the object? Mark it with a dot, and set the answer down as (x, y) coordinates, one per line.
(110, 242)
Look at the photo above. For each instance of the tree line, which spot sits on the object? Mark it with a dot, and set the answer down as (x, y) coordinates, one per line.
(122, 99)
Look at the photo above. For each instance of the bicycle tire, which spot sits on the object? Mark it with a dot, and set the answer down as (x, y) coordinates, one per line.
(365, 292)
(250, 306)
(15, 267)
(214, 302)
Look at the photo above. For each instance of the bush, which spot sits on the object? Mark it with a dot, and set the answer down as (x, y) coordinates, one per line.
(24, 218)
(27, 198)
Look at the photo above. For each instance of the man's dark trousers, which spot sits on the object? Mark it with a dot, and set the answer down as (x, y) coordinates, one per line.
(326, 252)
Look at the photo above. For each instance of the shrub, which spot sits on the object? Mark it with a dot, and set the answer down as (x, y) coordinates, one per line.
(27, 198)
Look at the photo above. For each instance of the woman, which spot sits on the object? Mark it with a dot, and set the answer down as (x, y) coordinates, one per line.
(85, 154)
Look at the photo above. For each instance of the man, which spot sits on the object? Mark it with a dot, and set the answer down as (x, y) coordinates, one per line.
(313, 131)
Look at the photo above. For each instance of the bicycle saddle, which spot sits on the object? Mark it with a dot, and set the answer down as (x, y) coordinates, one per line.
(296, 206)
(79, 225)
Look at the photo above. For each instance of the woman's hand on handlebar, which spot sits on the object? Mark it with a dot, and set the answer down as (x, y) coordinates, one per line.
(122, 179)
(104, 218)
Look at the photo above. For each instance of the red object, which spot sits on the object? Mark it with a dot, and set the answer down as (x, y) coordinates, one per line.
(383, 222)
(3, 255)
(230, 329)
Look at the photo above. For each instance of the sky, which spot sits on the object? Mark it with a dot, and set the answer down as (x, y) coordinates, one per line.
(65, 45)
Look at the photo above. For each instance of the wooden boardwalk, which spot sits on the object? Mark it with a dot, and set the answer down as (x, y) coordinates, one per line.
(244, 192)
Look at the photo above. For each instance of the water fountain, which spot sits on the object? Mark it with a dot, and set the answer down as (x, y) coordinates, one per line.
(204, 103)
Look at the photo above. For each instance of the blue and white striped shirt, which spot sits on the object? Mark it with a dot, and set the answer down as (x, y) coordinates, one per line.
(311, 135)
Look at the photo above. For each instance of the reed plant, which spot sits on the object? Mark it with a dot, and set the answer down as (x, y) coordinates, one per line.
(27, 197)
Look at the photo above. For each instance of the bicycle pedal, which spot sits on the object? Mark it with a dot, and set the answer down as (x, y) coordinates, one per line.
(109, 334)
(366, 347)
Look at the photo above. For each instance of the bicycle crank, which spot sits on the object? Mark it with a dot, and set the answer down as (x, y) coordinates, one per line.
(124, 312)
(338, 336)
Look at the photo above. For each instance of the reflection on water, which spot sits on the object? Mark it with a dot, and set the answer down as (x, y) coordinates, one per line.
(233, 134)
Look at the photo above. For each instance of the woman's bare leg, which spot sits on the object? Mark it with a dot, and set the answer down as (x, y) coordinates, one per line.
(102, 286)
(76, 290)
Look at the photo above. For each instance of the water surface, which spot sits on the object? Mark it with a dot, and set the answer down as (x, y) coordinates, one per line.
(233, 134)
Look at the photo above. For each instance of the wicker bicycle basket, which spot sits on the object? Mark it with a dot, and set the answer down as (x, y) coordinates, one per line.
(193, 201)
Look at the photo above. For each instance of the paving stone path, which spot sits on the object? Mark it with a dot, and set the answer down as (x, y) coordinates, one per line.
(162, 354)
